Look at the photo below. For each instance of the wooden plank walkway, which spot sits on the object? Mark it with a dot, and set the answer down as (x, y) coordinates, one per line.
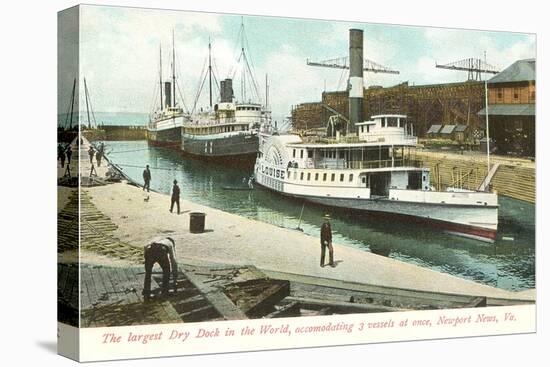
(96, 231)
(112, 296)
(67, 225)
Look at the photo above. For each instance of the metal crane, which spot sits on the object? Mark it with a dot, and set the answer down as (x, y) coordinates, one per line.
(343, 63)
(473, 66)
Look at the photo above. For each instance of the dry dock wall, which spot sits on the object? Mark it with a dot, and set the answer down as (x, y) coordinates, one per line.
(114, 132)
(514, 178)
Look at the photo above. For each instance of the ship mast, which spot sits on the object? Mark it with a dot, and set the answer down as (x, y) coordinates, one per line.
(487, 123)
(266, 93)
(87, 104)
(72, 105)
(210, 70)
(244, 67)
(160, 76)
(173, 71)
(243, 70)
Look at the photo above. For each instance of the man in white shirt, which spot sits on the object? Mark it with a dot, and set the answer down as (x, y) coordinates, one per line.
(161, 251)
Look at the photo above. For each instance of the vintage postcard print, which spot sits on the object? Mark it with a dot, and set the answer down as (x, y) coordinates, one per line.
(237, 183)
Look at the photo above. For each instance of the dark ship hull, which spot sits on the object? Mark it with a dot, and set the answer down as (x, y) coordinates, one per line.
(170, 137)
(236, 149)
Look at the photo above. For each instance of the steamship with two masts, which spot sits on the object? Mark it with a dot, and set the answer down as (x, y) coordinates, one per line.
(164, 128)
(227, 130)
(369, 166)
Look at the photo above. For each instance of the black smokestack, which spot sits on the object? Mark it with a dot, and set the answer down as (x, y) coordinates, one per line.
(226, 91)
(167, 94)
(355, 78)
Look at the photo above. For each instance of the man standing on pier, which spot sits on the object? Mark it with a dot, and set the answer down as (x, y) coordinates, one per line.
(326, 241)
(161, 251)
(91, 153)
(98, 156)
(61, 156)
(175, 197)
(59, 151)
(146, 178)
(69, 153)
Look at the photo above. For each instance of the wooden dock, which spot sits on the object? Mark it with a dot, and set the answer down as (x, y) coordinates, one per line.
(112, 296)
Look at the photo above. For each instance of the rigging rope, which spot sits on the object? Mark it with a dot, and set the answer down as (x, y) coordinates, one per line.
(178, 86)
(136, 166)
(215, 78)
(142, 149)
(201, 84)
(67, 115)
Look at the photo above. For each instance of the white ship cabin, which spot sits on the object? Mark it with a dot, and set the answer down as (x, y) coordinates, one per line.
(249, 112)
(389, 129)
(161, 117)
(379, 158)
(228, 118)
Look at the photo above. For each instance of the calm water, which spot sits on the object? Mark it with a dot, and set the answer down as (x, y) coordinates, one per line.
(509, 263)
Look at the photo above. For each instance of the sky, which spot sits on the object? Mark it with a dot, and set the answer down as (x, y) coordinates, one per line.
(119, 54)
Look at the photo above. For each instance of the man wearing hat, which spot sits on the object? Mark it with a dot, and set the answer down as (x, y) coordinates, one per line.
(175, 196)
(326, 241)
(161, 251)
(146, 178)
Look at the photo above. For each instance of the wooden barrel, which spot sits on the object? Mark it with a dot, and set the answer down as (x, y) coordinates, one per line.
(196, 222)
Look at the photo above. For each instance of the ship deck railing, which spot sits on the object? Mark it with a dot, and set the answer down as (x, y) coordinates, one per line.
(325, 140)
(356, 164)
(367, 138)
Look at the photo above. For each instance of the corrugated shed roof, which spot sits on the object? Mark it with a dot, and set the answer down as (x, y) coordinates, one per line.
(510, 110)
(434, 129)
(460, 128)
(447, 129)
(520, 71)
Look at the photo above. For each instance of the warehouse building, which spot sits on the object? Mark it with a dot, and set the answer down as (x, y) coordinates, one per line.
(512, 109)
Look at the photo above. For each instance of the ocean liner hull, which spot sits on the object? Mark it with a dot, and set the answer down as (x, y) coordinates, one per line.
(167, 137)
(241, 148)
(470, 221)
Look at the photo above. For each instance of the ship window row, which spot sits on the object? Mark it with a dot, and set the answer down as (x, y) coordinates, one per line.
(309, 153)
(248, 108)
(273, 183)
(214, 129)
(317, 177)
(365, 128)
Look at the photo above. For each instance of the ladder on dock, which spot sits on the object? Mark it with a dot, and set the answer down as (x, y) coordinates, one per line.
(487, 181)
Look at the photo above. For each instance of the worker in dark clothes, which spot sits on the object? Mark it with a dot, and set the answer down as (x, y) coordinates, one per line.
(69, 154)
(98, 156)
(59, 150)
(62, 158)
(160, 251)
(146, 178)
(91, 153)
(175, 196)
(326, 241)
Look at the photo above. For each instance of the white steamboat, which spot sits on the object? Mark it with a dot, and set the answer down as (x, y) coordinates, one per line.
(372, 171)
